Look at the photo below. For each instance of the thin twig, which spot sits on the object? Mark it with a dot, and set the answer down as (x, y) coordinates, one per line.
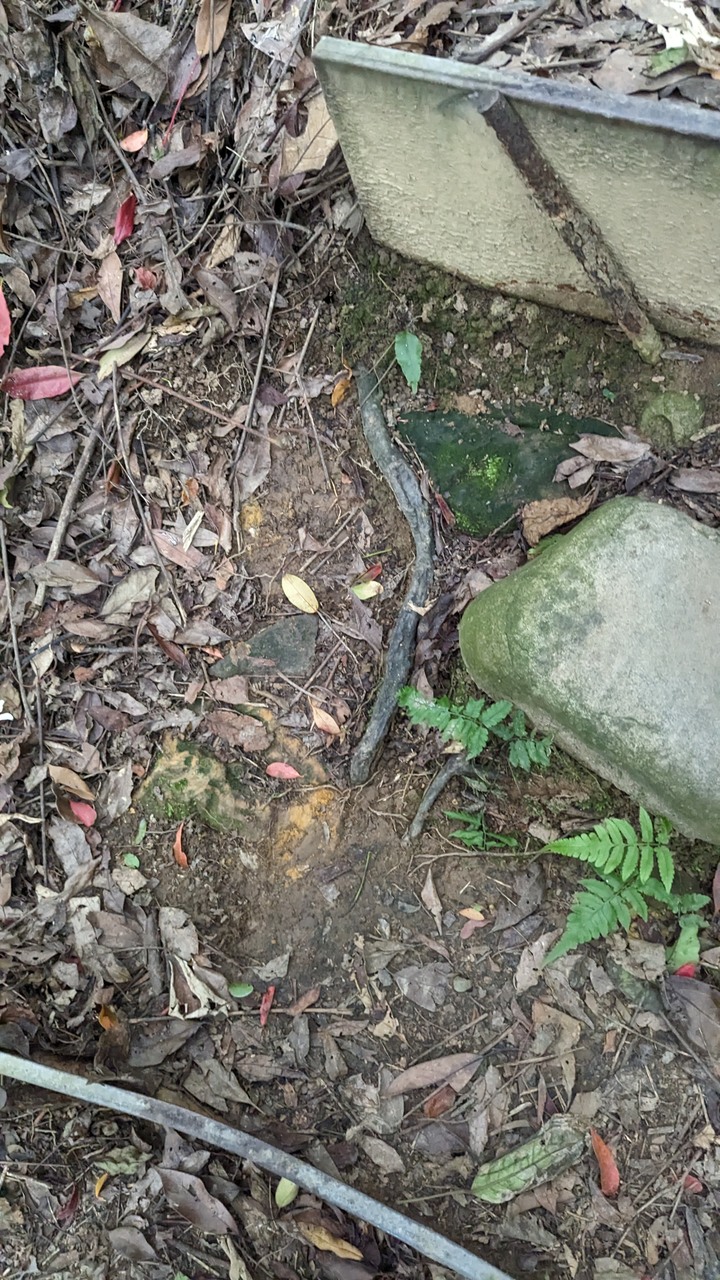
(493, 43)
(41, 760)
(196, 404)
(11, 623)
(247, 428)
(138, 503)
(67, 508)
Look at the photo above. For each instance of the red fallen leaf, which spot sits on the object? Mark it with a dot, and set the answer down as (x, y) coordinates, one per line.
(445, 511)
(716, 891)
(5, 323)
(83, 812)
(265, 1005)
(278, 769)
(686, 971)
(693, 1184)
(125, 219)
(69, 1209)
(41, 383)
(134, 141)
(609, 1172)
(179, 853)
(146, 278)
(439, 1102)
(371, 573)
(469, 928)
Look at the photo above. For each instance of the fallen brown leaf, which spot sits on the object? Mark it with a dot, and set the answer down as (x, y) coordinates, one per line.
(220, 11)
(309, 152)
(139, 50)
(436, 1072)
(542, 517)
(696, 479)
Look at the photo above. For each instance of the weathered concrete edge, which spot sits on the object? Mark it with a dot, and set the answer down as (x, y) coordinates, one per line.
(678, 118)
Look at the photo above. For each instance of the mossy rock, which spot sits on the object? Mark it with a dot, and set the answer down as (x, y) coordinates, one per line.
(488, 466)
(672, 418)
(188, 782)
(608, 640)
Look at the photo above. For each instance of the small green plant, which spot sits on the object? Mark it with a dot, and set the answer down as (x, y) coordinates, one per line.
(475, 834)
(626, 862)
(472, 724)
(408, 353)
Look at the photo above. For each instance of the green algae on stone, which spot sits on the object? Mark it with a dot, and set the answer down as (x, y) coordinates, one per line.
(288, 645)
(187, 781)
(672, 418)
(608, 640)
(487, 466)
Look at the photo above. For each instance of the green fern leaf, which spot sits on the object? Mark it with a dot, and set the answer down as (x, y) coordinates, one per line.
(630, 862)
(518, 755)
(665, 866)
(474, 708)
(646, 826)
(635, 899)
(496, 712)
(647, 862)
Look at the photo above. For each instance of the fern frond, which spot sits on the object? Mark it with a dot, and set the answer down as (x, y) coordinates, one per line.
(614, 845)
(472, 724)
(596, 913)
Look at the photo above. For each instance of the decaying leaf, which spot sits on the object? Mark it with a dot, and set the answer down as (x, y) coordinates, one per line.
(542, 517)
(71, 782)
(309, 152)
(323, 720)
(610, 448)
(217, 12)
(190, 1197)
(109, 284)
(115, 357)
(431, 900)
(237, 730)
(438, 1071)
(696, 479)
(299, 593)
(139, 50)
(559, 1145)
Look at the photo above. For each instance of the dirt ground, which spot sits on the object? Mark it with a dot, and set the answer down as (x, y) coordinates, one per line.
(278, 961)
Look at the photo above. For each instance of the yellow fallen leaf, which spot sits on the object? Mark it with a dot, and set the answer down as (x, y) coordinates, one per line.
(100, 1184)
(323, 721)
(321, 1238)
(340, 390)
(285, 1192)
(299, 593)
